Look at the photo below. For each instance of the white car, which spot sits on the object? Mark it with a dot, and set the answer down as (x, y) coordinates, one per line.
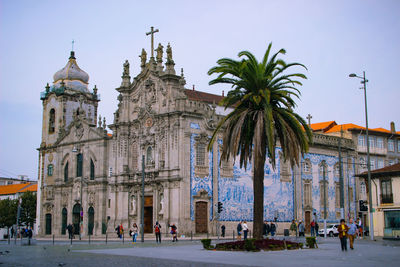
(331, 230)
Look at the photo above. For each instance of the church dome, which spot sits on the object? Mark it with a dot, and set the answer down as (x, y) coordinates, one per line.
(73, 77)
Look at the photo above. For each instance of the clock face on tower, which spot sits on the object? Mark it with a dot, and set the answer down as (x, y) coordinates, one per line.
(148, 122)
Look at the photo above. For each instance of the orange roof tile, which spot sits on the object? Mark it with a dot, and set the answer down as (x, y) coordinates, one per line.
(12, 188)
(322, 125)
(381, 130)
(32, 188)
(110, 135)
(346, 126)
(202, 96)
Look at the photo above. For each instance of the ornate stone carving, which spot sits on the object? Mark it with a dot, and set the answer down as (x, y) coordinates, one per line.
(91, 198)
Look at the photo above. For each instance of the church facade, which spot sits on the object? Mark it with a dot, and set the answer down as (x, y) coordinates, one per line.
(93, 179)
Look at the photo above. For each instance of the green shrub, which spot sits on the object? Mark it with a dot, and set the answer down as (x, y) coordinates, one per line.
(249, 245)
(311, 241)
(301, 245)
(206, 243)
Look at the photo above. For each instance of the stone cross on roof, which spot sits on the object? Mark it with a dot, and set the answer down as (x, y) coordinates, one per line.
(152, 32)
(309, 117)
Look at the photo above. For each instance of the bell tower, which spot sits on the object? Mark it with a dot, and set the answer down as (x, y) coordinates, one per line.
(66, 98)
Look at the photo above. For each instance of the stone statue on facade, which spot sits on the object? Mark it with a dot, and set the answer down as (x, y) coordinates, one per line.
(133, 204)
(161, 203)
(169, 54)
(143, 58)
(159, 51)
(126, 68)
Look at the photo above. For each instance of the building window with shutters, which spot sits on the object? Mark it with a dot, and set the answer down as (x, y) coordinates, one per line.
(307, 166)
(91, 170)
(50, 170)
(386, 191)
(307, 194)
(79, 165)
(337, 195)
(52, 121)
(66, 172)
(391, 145)
(201, 160)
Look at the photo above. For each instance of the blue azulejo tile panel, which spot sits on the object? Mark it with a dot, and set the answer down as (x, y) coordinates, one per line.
(194, 125)
(236, 193)
(198, 184)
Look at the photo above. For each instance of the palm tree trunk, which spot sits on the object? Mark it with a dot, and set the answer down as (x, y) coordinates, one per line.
(258, 189)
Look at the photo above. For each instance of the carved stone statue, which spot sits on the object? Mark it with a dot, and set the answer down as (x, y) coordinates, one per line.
(143, 58)
(126, 68)
(159, 51)
(169, 54)
(133, 204)
(161, 203)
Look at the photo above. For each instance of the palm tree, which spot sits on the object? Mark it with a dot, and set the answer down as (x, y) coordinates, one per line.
(262, 114)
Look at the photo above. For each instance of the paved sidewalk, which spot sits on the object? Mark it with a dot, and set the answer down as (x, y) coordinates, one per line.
(366, 253)
(187, 253)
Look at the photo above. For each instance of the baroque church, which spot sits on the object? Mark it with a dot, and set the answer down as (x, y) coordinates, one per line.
(93, 179)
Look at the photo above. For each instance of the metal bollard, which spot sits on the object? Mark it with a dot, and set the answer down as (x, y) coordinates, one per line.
(191, 235)
(233, 235)
(53, 239)
(71, 240)
(123, 238)
(89, 238)
(106, 238)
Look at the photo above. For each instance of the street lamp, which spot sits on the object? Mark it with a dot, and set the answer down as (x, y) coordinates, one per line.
(371, 224)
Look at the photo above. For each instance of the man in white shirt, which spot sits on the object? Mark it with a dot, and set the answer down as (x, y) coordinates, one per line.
(245, 230)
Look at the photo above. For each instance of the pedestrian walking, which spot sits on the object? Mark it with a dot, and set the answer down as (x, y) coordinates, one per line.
(135, 231)
(245, 230)
(157, 231)
(69, 229)
(30, 234)
(174, 233)
(272, 228)
(12, 232)
(312, 227)
(265, 229)
(360, 228)
(293, 228)
(223, 230)
(301, 228)
(239, 230)
(352, 232)
(343, 229)
(316, 229)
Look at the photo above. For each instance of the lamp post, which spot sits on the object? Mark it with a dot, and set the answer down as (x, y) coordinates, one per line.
(371, 223)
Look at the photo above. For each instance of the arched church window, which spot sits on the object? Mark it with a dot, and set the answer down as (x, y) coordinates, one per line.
(79, 165)
(200, 154)
(323, 169)
(52, 121)
(149, 155)
(90, 220)
(66, 172)
(64, 221)
(50, 170)
(307, 166)
(91, 170)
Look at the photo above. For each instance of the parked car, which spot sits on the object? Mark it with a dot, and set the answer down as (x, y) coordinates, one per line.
(331, 230)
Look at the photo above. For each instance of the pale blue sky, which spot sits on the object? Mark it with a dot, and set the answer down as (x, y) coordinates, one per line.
(332, 38)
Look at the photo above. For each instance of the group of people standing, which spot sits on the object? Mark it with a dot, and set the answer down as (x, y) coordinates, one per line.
(134, 231)
(301, 228)
(347, 231)
(242, 228)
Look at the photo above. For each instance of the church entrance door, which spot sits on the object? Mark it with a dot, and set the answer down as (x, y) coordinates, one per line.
(201, 217)
(76, 213)
(148, 214)
(307, 221)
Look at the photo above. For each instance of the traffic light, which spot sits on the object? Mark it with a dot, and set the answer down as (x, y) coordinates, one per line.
(220, 208)
(363, 206)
